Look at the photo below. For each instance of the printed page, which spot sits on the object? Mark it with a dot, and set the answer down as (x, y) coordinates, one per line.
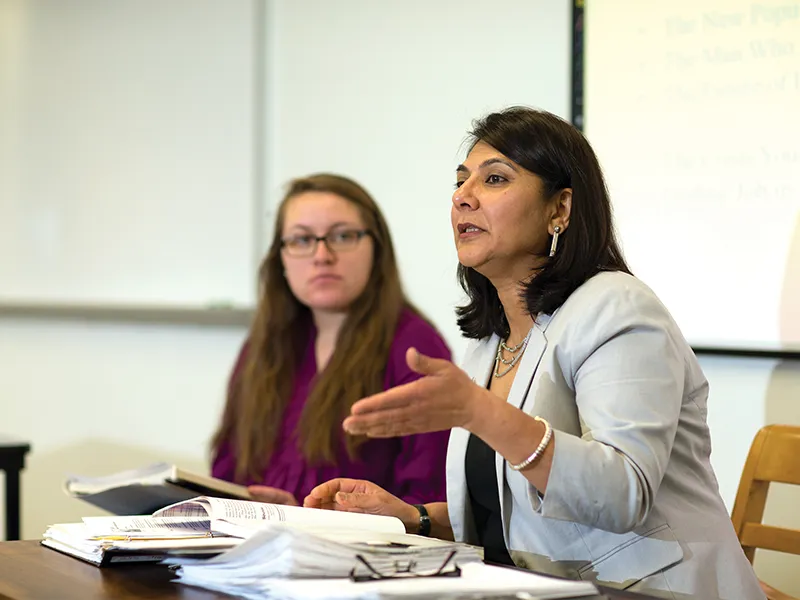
(245, 528)
(175, 546)
(75, 536)
(221, 508)
(146, 527)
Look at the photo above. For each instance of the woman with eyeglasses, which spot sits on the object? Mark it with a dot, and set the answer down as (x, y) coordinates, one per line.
(332, 326)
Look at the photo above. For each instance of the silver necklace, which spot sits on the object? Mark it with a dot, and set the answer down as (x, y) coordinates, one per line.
(516, 353)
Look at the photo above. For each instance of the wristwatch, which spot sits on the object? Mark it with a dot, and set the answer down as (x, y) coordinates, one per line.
(424, 520)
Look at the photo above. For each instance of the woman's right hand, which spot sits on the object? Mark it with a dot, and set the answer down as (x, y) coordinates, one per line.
(357, 495)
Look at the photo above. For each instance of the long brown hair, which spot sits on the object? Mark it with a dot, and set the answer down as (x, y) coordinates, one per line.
(278, 339)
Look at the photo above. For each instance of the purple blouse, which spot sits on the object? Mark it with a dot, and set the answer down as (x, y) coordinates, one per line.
(412, 467)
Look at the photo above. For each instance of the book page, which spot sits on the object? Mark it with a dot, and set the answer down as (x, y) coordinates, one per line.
(176, 545)
(221, 508)
(75, 537)
(244, 528)
(146, 527)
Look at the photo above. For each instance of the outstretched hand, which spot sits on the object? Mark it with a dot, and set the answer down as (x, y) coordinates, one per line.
(357, 495)
(443, 398)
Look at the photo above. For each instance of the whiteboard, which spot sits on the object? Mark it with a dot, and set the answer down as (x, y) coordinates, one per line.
(693, 108)
(386, 92)
(128, 151)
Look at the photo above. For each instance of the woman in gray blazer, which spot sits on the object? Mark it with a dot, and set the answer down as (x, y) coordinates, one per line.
(579, 441)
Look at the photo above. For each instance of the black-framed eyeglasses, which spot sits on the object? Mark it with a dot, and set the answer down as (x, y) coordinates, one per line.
(341, 240)
(401, 569)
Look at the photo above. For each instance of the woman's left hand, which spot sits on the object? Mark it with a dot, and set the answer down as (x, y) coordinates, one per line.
(445, 397)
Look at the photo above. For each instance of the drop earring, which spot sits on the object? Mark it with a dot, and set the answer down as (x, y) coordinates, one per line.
(554, 243)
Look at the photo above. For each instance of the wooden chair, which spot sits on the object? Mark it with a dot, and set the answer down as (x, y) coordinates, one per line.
(774, 456)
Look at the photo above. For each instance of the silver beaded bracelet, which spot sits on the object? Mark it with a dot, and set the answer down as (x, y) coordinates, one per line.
(548, 434)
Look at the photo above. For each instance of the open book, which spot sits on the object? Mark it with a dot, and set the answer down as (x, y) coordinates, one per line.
(247, 515)
(208, 525)
(142, 491)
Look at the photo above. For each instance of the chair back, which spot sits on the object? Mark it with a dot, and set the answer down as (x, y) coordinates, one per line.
(774, 457)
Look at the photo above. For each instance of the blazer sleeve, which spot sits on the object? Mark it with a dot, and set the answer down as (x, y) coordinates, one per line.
(419, 469)
(627, 360)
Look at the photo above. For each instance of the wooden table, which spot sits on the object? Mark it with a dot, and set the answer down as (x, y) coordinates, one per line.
(29, 571)
(12, 461)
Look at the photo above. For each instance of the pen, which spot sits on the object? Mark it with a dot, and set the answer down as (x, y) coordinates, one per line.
(128, 538)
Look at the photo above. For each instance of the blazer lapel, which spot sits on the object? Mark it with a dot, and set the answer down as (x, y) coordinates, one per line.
(478, 363)
(526, 370)
(527, 366)
(483, 361)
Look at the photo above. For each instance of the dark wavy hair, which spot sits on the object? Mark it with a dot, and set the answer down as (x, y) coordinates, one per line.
(557, 152)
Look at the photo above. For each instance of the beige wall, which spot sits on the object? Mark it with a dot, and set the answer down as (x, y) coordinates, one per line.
(93, 399)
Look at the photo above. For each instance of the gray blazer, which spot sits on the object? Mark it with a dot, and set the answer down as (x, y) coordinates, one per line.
(632, 501)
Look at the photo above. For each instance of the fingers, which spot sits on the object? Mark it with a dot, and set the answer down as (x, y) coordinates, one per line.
(322, 504)
(325, 493)
(355, 502)
(314, 502)
(396, 397)
(418, 391)
(348, 495)
(425, 365)
(388, 424)
(403, 396)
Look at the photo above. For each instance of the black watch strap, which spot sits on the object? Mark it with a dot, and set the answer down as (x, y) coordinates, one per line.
(424, 520)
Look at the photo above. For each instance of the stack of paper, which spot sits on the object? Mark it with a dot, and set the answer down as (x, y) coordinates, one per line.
(278, 551)
(477, 580)
(282, 563)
